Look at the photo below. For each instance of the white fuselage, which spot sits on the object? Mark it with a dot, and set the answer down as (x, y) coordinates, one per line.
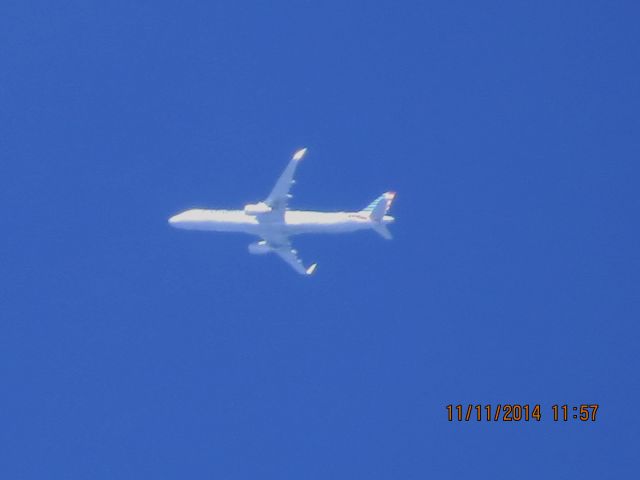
(295, 222)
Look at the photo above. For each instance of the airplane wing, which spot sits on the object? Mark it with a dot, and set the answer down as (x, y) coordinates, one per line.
(281, 246)
(290, 256)
(279, 196)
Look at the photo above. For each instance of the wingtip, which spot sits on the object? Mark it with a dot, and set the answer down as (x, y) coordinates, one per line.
(311, 270)
(299, 154)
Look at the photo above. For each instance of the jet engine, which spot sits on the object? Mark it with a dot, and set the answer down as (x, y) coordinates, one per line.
(254, 209)
(260, 248)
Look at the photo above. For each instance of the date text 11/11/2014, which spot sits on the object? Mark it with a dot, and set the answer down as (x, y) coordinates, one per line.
(515, 412)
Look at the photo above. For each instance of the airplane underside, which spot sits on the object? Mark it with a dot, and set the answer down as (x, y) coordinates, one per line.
(274, 223)
(282, 229)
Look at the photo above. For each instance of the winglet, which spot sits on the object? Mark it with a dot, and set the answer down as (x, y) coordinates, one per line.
(299, 154)
(311, 270)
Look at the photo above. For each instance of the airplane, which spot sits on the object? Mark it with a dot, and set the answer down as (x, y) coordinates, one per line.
(274, 223)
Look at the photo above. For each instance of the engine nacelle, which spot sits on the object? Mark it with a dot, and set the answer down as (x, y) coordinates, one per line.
(260, 248)
(257, 208)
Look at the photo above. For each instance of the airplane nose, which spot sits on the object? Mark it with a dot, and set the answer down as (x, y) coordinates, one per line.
(173, 220)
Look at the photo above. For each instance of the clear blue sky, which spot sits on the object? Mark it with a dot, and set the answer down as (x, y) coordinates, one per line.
(130, 350)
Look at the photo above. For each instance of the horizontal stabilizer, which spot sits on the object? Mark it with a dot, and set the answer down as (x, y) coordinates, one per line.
(382, 229)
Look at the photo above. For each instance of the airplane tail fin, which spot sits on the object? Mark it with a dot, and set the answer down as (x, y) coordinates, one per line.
(377, 209)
